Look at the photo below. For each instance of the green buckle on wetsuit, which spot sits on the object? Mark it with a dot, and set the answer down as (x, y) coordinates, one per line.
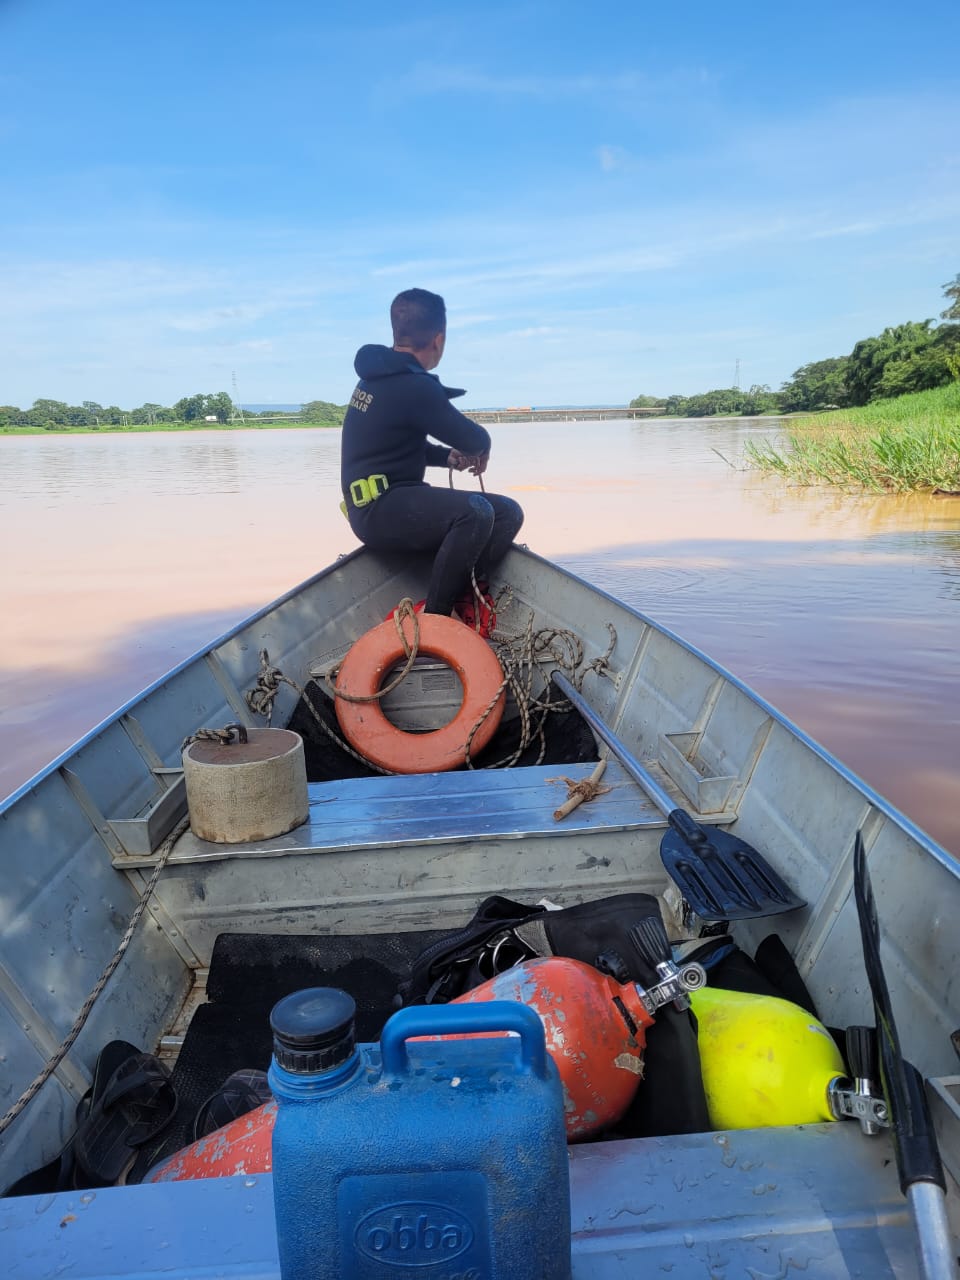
(366, 490)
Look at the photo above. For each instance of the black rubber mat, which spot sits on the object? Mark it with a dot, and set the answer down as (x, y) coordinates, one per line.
(249, 973)
(568, 740)
(257, 969)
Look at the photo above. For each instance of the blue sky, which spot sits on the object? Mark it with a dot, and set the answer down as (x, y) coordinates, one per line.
(613, 199)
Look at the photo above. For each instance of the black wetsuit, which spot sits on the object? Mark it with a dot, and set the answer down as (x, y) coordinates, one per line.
(397, 404)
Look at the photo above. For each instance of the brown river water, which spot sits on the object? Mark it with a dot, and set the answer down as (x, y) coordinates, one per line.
(122, 555)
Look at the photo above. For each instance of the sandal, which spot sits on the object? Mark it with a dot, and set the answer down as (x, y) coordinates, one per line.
(58, 1174)
(134, 1102)
(242, 1092)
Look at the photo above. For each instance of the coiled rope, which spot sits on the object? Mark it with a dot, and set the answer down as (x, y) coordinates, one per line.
(261, 698)
(527, 659)
(405, 609)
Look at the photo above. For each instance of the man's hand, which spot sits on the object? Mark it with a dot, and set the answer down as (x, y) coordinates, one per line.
(475, 463)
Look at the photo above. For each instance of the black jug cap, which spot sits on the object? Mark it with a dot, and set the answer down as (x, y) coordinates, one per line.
(313, 1030)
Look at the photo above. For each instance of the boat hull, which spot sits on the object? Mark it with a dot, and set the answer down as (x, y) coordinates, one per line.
(387, 855)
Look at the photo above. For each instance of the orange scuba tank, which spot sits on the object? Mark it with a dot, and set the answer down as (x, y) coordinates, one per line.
(594, 1030)
(242, 1146)
(595, 1026)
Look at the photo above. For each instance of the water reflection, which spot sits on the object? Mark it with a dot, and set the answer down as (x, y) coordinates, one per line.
(107, 469)
(841, 609)
(948, 564)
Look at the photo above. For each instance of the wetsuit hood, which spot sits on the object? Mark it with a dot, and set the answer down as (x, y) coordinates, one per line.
(376, 361)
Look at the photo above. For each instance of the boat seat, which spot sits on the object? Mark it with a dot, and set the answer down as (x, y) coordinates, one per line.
(418, 809)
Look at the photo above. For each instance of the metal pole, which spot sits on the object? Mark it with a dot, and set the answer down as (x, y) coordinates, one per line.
(618, 747)
(935, 1242)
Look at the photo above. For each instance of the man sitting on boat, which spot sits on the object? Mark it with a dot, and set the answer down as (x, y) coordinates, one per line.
(397, 404)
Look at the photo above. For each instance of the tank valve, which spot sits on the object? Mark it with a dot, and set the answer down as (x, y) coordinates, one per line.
(856, 1098)
(676, 981)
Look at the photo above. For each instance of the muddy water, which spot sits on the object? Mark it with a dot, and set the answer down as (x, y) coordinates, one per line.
(122, 555)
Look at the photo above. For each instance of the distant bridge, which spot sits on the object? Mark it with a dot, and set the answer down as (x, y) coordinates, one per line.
(575, 413)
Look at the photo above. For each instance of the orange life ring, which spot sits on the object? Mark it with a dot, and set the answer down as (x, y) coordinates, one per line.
(367, 728)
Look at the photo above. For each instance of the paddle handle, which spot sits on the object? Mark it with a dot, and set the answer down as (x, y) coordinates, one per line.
(935, 1237)
(914, 1137)
(690, 832)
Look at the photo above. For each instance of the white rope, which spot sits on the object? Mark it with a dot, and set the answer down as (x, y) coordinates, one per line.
(68, 1042)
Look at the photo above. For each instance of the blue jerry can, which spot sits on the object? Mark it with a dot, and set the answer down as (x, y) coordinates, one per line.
(445, 1160)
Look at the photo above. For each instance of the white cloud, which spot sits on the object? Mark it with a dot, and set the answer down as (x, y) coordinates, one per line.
(420, 266)
(612, 158)
(434, 78)
(204, 320)
(471, 321)
(214, 318)
(51, 286)
(430, 78)
(535, 331)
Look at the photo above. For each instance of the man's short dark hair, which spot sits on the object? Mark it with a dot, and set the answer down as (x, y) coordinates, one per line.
(417, 317)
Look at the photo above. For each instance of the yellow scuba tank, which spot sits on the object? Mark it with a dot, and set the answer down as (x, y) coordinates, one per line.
(765, 1061)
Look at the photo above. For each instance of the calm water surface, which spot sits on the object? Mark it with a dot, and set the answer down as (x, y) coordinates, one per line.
(123, 554)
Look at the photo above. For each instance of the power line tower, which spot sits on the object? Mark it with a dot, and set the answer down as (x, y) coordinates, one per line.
(236, 401)
(736, 376)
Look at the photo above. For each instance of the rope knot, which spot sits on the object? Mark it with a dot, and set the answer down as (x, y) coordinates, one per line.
(261, 697)
(404, 610)
(581, 792)
(224, 736)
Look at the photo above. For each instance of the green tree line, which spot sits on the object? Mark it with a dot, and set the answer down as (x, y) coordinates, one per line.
(915, 356)
(57, 415)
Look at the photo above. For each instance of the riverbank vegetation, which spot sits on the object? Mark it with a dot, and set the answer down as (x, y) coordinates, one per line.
(907, 358)
(210, 411)
(908, 443)
(917, 356)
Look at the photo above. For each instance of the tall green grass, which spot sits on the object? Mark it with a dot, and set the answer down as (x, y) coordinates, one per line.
(894, 446)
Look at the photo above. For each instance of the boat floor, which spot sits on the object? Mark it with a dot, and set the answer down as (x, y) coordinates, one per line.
(821, 1200)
